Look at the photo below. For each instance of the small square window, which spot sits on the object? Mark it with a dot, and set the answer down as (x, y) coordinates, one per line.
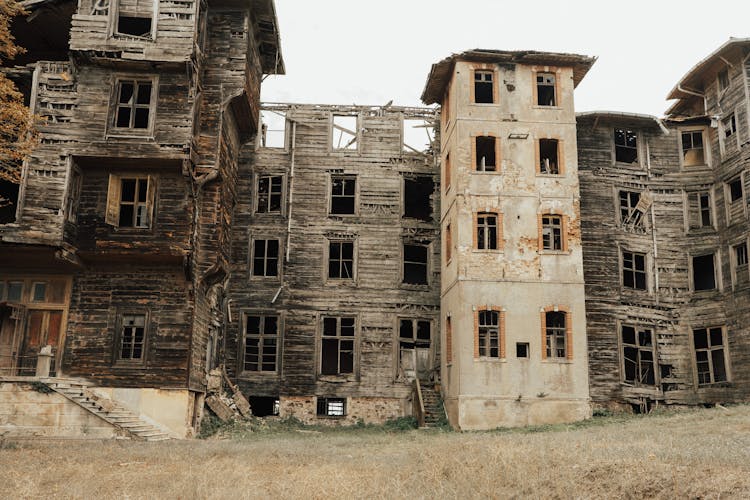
(331, 407)
(522, 349)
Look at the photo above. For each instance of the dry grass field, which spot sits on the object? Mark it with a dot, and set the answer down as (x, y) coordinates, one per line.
(693, 454)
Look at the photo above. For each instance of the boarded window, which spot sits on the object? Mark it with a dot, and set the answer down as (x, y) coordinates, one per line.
(261, 343)
(131, 201)
(344, 132)
(638, 355)
(626, 146)
(485, 153)
(331, 407)
(699, 207)
(545, 89)
(418, 197)
(343, 194)
(634, 270)
(483, 87)
(554, 333)
(487, 231)
(692, 148)
(548, 161)
(552, 232)
(415, 264)
(341, 259)
(337, 346)
(710, 358)
(265, 258)
(134, 18)
(704, 275)
(132, 337)
(270, 191)
(488, 334)
(134, 99)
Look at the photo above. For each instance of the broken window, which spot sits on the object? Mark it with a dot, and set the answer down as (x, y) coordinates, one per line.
(555, 328)
(274, 129)
(740, 254)
(265, 258)
(735, 189)
(484, 87)
(261, 343)
(331, 407)
(132, 337)
(131, 201)
(710, 354)
(548, 161)
(699, 206)
(134, 18)
(418, 197)
(417, 135)
(634, 270)
(414, 337)
(638, 355)
(692, 148)
(8, 201)
(74, 194)
(487, 231)
(729, 124)
(545, 89)
(344, 132)
(337, 346)
(522, 349)
(341, 259)
(264, 406)
(343, 194)
(485, 153)
(552, 238)
(488, 334)
(270, 190)
(704, 274)
(632, 208)
(415, 264)
(134, 99)
(626, 146)
(723, 78)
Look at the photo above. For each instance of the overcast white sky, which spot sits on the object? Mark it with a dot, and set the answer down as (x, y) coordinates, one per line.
(369, 52)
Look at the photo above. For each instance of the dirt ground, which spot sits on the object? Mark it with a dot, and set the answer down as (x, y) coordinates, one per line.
(693, 454)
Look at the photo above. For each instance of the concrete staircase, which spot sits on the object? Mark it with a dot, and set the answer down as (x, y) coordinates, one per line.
(107, 409)
(434, 412)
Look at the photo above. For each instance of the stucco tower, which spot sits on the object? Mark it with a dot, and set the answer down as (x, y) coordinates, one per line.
(512, 298)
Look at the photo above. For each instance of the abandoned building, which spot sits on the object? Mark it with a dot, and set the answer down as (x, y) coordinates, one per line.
(516, 259)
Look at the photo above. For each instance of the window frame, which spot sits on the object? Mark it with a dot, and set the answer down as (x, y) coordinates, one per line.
(494, 84)
(501, 334)
(355, 133)
(716, 253)
(258, 178)
(414, 177)
(354, 374)
(634, 271)
(325, 401)
(355, 197)
(279, 258)
(729, 203)
(475, 169)
(415, 320)
(114, 201)
(129, 132)
(327, 256)
(73, 194)
(115, 15)
(637, 329)
(568, 335)
(560, 159)
(738, 267)
(724, 145)
(563, 233)
(637, 148)
(117, 359)
(694, 210)
(555, 86)
(709, 349)
(499, 247)
(706, 150)
(242, 354)
(427, 267)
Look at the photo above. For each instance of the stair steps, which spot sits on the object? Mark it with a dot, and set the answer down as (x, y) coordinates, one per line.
(434, 411)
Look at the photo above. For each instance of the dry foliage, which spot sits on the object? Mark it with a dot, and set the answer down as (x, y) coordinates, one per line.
(693, 454)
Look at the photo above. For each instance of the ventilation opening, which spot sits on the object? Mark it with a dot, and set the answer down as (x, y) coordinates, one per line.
(417, 193)
(264, 406)
(703, 272)
(8, 201)
(134, 26)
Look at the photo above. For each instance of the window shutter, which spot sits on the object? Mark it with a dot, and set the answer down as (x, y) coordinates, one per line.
(112, 216)
(151, 197)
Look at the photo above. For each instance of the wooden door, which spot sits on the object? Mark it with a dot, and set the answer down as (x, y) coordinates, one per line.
(10, 327)
(42, 328)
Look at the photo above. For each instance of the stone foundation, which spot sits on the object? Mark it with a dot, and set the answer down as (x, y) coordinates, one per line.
(481, 413)
(368, 410)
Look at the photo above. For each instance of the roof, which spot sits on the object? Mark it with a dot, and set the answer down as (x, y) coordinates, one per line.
(441, 72)
(709, 65)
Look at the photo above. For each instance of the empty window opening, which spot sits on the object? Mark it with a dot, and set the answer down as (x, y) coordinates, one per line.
(729, 124)
(269, 194)
(261, 343)
(134, 18)
(488, 334)
(692, 148)
(638, 355)
(723, 78)
(740, 254)
(8, 201)
(264, 406)
(265, 258)
(448, 243)
(704, 275)
(552, 232)
(132, 337)
(634, 270)
(337, 346)
(483, 87)
(341, 259)
(487, 231)
(486, 160)
(418, 197)
(274, 129)
(331, 407)
(548, 163)
(626, 146)
(709, 355)
(133, 104)
(735, 189)
(414, 338)
(704, 207)
(135, 206)
(545, 89)
(631, 208)
(418, 135)
(448, 172)
(522, 349)
(415, 264)
(343, 194)
(344, 132)
(554, 331)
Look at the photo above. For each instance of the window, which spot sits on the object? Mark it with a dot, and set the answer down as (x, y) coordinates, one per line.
(341, 259)
(488, 334)
(552, 235)
(448, 243)
(448, 340)
(692, 148)
(485, 153)
(634, 270)
(700, 212)
(545, 89)
(337, 346)
(265, 258)
(130, 201)
(134, 18)
(270, 189)
(331, 407)
(555, 334)
(418, 197)
(343, 194)
(631, 212)
(487, 231)
(344, 132)
(704, 276)
(729, 125)
(134, 99)
(274, 128)
(522, 349)
(710, 361)
(74, 195)
(261, 343)
(723, 78)
(417, 135)
(484, 87)
(132, 337)
(415, 264)
(548, 160)
(626, 146)
(638, 355)
(735, 189)
(8, 201)
(740, 254)
(448, 172)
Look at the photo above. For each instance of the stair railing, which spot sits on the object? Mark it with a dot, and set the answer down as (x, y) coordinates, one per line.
(418, 403)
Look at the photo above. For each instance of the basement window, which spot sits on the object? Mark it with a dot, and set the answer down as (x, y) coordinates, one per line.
(134, 102)
(343, 195)
(265, 258)
(634, 270)
(710, 355)
(638, 355)
(331, 407)
(692, 148)
(132, 332)
(545, 89)
(548, 161)
(8, 201)
(344, 132)
(337, 346)
(261, 343)
(134, 18)
(264, 406)
(415, 264)
(626, 146)
(270, 191)
(484, 87)
(341, 259)
(485, 153)
(704, 273)
(131, 201)
(418, 197)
